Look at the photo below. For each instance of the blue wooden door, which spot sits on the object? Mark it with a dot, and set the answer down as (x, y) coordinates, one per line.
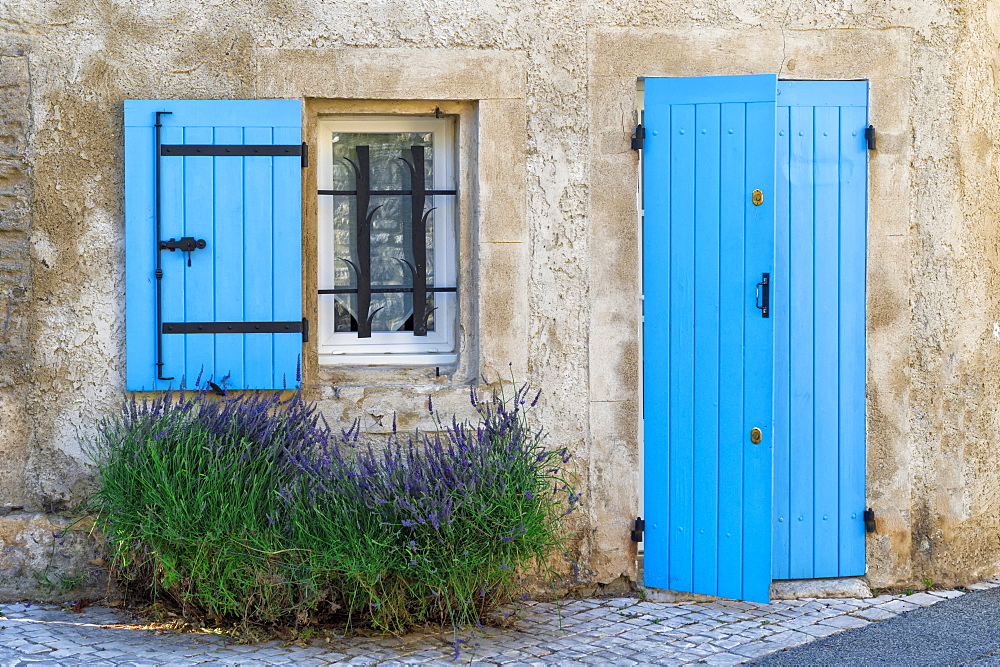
(819, 308)
(229, 177)
(710, 143)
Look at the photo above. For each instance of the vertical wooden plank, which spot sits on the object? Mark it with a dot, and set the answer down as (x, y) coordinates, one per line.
(801, 470)
(731, 300)
(199, 277)
(853, 236)
(173, 263)
(656, 267)
(707, 269)
(228, 255)
(287, 258)
(682, 436)
(826, 299)
(780, 304)
(758, 360)
(140, 253)
(258, 262)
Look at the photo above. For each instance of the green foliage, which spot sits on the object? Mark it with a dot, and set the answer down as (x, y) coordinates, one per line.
(251, 509)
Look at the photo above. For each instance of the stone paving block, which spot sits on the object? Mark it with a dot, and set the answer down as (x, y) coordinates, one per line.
(723, 659)
(790, 638)
(981, 586)
(755, 649)
(946, 594)
(874, 614)
(923, 599)
(820, 630)
(795, 623)
(845, 622)
(898, 606)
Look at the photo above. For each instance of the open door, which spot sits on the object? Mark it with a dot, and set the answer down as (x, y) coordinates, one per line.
(708, 253)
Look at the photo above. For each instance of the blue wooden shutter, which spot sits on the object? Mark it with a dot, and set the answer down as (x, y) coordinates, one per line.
(819, 386)
(707, 349)
(239, 303)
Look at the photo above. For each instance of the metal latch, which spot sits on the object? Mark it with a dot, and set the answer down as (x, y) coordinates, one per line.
(185, 244)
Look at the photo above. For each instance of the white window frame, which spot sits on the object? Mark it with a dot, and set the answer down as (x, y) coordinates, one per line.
(392, 348)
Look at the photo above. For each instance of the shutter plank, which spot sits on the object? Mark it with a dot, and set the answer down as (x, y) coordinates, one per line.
(140, 258)
(258, 261)
(173, 284)
(199, 278)
(229, 212)
(287, 234)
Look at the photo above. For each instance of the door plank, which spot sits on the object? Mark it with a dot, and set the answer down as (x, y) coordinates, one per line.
(706, 344)
(731, 339)
(801, 470)
(853, 250)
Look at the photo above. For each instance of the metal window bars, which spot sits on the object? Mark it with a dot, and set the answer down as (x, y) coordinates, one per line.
(363, 193)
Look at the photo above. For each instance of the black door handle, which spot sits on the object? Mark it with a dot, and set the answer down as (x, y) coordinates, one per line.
(763, 299)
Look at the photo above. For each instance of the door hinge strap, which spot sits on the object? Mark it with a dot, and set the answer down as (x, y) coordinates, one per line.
(231, 150)
(638, 528)
(638, 138)
(232, 327)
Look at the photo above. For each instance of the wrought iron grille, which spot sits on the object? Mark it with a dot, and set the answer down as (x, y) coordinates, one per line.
(418, 194)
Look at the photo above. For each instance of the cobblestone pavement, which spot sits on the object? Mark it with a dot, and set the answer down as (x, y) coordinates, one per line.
(617, 631)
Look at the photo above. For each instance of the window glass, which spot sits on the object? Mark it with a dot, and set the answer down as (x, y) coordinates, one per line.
(393, 336)
(391, 228)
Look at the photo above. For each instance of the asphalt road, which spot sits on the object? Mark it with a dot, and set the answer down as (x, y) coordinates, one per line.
(960, 630)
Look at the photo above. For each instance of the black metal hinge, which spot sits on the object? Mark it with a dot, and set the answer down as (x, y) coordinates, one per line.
(305, 329)
(638, 138)
(869, 520)
(870, 137)
(638, 529)
(305, 155)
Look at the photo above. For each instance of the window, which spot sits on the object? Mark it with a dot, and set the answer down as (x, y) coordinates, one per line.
(387, 278)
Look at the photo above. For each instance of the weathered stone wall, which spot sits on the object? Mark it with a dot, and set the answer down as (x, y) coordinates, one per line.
(556, 231)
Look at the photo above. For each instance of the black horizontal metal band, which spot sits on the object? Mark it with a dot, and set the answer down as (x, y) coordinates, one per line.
(232, 150)
(231, 327)
(385, 290)
(384, 193)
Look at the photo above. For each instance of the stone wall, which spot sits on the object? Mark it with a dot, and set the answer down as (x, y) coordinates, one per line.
(553, 242)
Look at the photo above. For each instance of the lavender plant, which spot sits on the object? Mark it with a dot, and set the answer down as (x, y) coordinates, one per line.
(253, 508)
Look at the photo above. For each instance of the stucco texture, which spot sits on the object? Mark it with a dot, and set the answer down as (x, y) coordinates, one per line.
(549, 249)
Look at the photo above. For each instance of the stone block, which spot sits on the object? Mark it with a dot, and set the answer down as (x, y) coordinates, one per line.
(847, 587)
